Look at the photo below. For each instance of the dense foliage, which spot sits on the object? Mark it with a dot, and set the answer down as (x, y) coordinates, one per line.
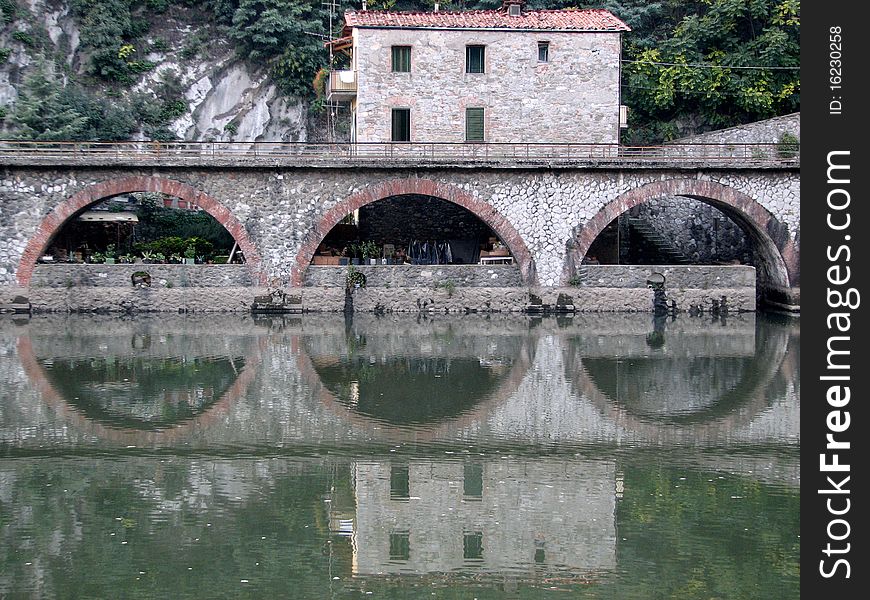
(691, 65)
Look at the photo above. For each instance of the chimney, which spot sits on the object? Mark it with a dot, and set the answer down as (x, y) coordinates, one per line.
(365, 5)
(514, 8)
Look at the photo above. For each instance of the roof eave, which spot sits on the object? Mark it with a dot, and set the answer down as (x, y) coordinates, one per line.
(512, 29)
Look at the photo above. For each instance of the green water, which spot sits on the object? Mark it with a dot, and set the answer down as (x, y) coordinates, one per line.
(439, 457)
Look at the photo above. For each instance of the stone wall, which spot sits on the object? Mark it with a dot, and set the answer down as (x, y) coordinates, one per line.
(572, 98)
(702, 277)
(418, 276)
(703, 233)
(768, 131)
(120, 276)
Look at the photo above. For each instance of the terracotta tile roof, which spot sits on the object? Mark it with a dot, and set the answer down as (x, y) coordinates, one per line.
(569, 19)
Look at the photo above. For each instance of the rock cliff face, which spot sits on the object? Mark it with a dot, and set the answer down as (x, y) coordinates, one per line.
(229, 99)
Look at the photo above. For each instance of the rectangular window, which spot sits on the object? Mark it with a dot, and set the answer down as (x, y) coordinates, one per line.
(472, 482)
(472, 545)
(400, 545)
(543, 51)
(400, 483)
(473, 124)
(401, 125)
(401, 59)
(475, 59)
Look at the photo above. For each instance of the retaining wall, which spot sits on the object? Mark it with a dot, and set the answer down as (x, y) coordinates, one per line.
(120, 275)
(419, 276)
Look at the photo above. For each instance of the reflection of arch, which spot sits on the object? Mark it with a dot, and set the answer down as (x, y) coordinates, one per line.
(414, 433)
(57, 218)
(421, 187)
(771, 351)
(138, 437)
(780, 256)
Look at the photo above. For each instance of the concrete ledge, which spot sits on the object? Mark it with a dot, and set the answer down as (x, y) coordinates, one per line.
(377, 299)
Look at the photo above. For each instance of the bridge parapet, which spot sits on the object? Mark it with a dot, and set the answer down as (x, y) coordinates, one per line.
(411, 154)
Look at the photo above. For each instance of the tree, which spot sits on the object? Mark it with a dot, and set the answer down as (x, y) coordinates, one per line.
(729, 62)
(287, 35)
(43, 110)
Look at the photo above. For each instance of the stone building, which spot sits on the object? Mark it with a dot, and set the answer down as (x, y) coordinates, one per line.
(508, 75)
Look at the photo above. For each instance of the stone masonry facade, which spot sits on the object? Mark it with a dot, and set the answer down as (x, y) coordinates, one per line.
(573, 97)
(547, 217)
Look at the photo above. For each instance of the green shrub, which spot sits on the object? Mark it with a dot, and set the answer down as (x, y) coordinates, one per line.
(9, 10)
(23, 37)
(4, 54)
(788, 146)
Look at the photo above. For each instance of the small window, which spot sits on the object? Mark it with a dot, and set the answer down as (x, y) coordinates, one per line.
(472, 482)
(473, 124)
(472, 545)
(543, 51)
(400, 486)
(514, 10)
(400, 545)
(474, 59)
(401, 125)
(401, 59)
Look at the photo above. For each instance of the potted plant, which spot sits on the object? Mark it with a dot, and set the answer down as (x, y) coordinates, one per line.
(109, 256)
(354, 279)
(190, 255)
(159, 257)
(127, 259)
(175, 258)
(97, 258)
(355, 256)
(369, 252)
(149, 257)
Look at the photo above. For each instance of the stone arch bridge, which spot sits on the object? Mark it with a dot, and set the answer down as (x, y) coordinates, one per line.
(279, 206)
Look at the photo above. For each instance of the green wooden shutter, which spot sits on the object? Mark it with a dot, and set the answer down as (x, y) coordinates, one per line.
(401, 59)
(473, 124)
(401, 126)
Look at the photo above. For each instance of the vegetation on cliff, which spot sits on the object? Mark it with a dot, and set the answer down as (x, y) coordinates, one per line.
(689, 65)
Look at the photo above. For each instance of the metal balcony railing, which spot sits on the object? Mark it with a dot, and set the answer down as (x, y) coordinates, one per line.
(254, 153)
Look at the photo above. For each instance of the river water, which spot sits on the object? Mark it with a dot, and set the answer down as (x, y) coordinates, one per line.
(606, 456)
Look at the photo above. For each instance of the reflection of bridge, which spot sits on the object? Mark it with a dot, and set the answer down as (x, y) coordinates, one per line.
(547, 209)
(545, 396)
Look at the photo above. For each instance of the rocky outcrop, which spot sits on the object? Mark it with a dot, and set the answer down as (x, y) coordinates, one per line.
(228, 98)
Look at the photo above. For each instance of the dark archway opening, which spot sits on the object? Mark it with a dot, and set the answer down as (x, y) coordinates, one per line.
(673, 231)
(148, 227)
(413, 229)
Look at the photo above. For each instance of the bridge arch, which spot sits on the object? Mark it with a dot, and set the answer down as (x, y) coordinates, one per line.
(61, 214)
(779, 255)
(423, 187)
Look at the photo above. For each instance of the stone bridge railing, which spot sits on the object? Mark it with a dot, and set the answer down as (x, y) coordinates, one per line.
(257, 154)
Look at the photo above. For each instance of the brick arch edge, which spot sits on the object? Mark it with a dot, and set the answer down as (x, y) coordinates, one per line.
(423, 187)
(57, 218)
(778, 250)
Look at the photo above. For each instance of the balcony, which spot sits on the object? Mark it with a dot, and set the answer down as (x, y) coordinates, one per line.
(342, 85)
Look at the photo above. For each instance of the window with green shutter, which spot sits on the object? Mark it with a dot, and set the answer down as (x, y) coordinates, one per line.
(401, 59)
(475, 59)
(473, 124)
(401, 126)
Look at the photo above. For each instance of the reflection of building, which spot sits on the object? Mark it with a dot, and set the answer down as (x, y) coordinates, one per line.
(511, 515)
